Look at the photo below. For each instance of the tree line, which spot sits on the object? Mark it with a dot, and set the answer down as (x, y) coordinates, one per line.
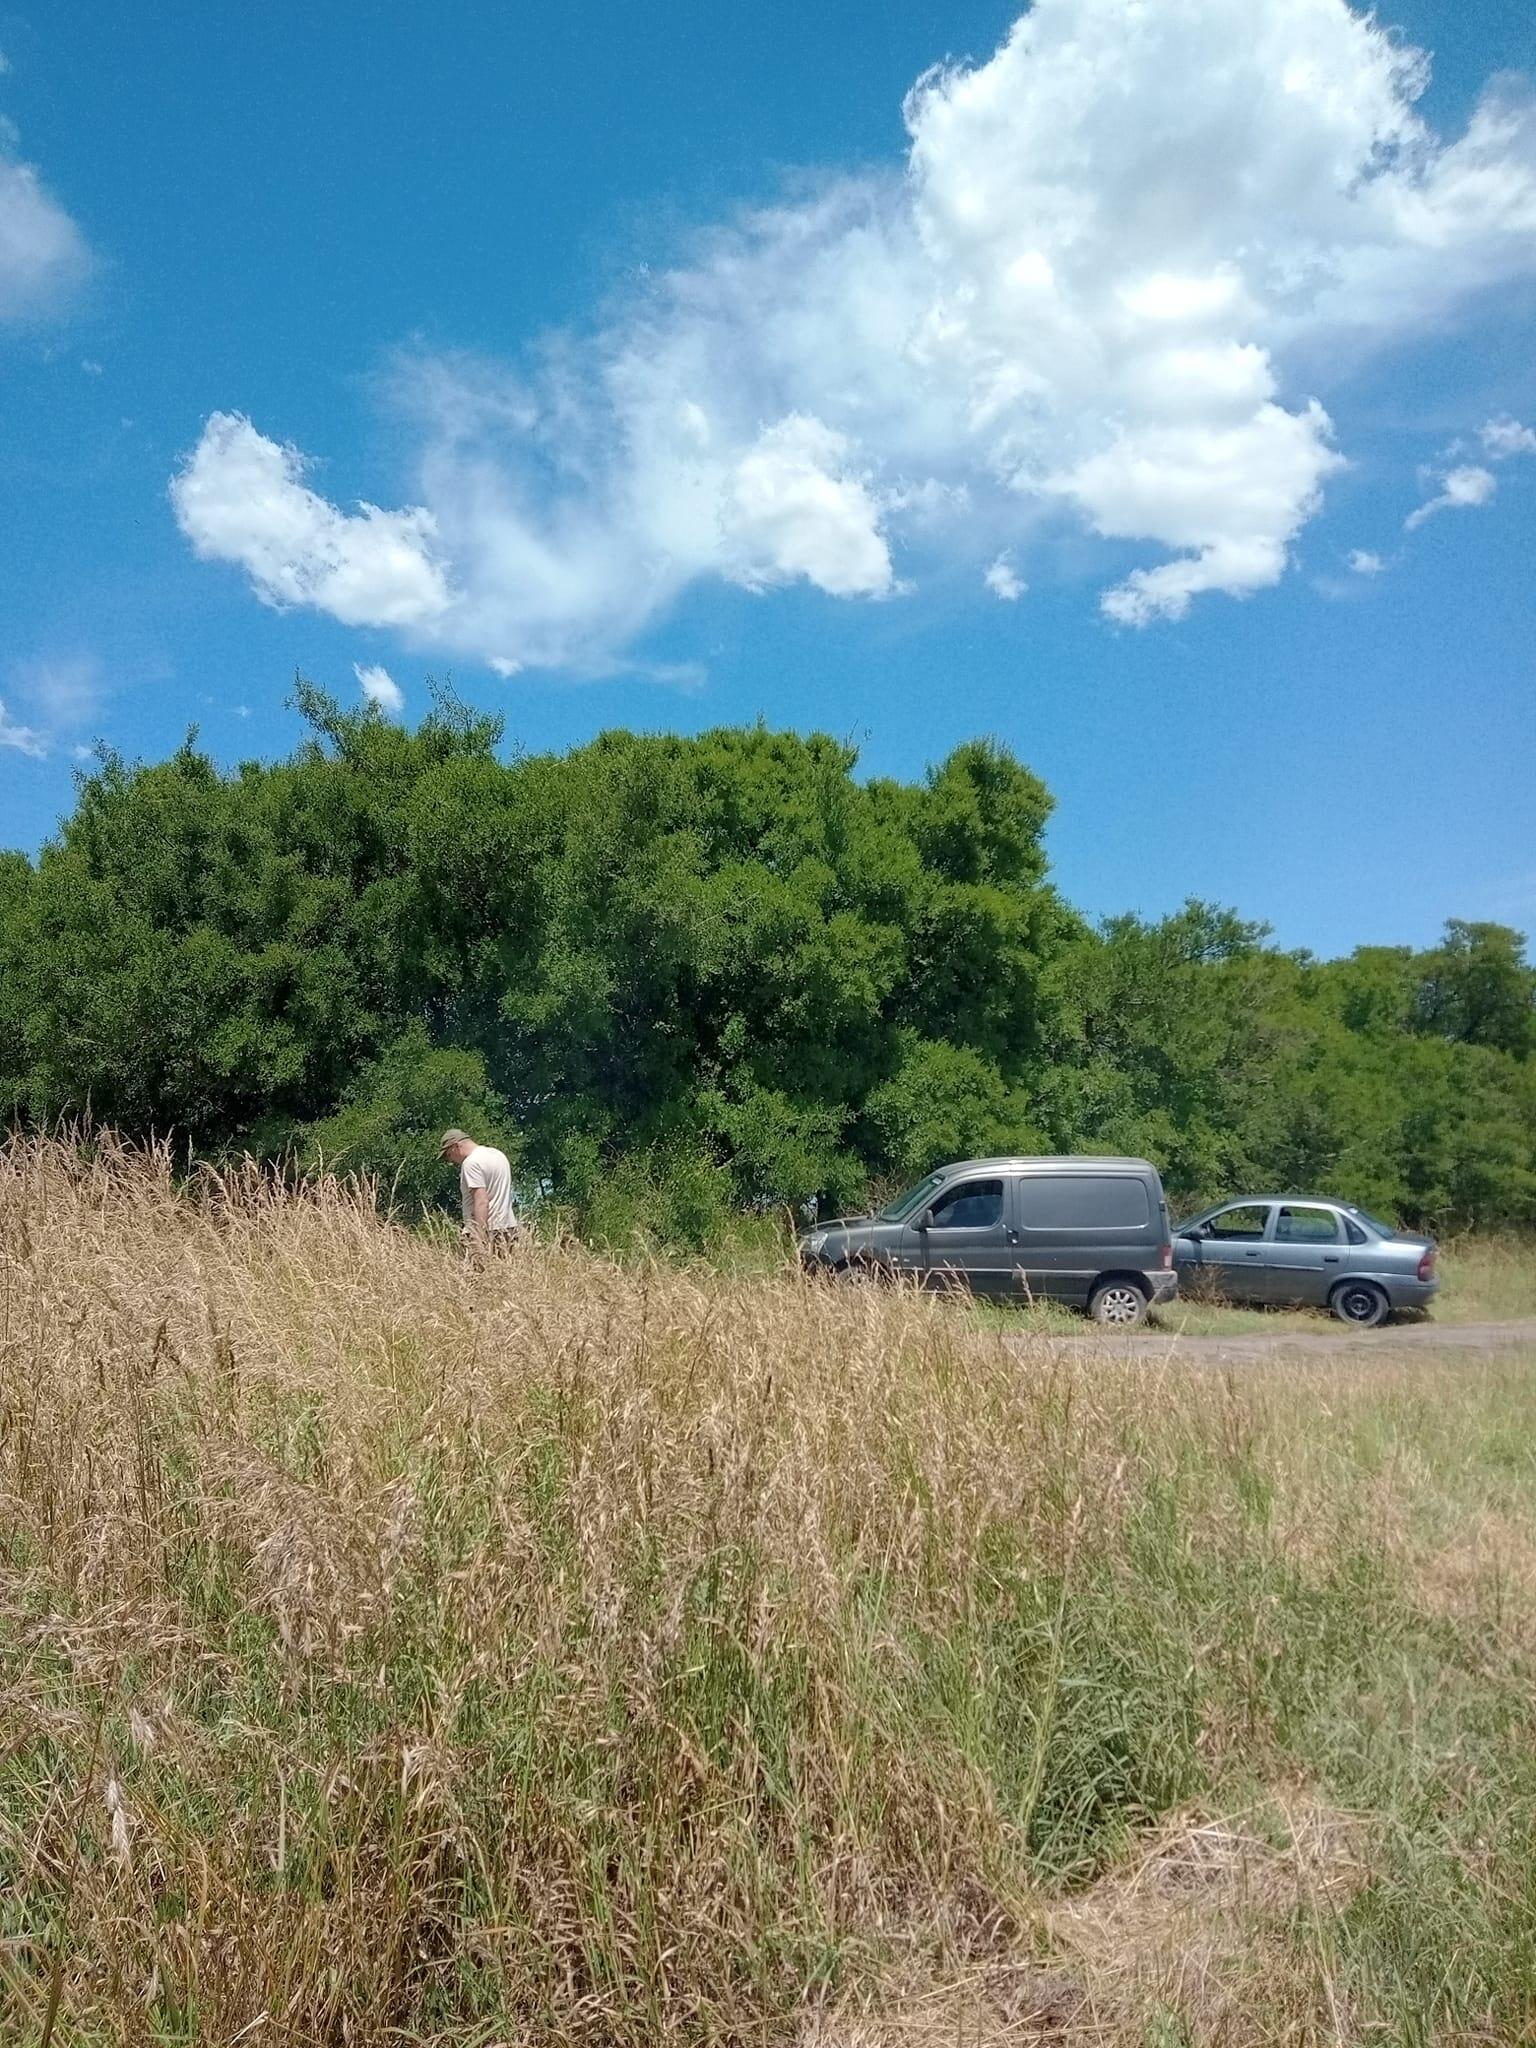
(678, 977)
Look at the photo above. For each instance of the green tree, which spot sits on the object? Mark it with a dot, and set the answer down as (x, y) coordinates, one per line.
(684, 974)
(708, 949)
(391, 1121)
(1476, 988)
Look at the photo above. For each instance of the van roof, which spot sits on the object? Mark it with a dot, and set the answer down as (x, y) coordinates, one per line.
(1079, 1162)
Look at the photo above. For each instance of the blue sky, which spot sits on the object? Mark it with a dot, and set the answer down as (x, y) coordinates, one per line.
(695, 385)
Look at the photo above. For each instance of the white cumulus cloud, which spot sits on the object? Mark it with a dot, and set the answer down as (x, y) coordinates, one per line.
(792, 509)
(1003, 580)
(1364, 563)
(1460, 490)
(1084, 299)
(380, 688)
(242, 498)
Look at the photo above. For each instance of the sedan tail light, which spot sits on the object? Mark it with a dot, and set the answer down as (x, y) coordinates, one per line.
(1427, 1264)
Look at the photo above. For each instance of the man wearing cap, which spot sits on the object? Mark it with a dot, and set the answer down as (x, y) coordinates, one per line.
(485, 1190)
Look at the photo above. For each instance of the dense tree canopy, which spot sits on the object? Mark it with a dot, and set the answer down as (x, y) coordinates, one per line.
(712, 971)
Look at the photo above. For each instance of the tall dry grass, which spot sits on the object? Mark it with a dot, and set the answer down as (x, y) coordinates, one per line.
(1489, 1277)
(395, 1648)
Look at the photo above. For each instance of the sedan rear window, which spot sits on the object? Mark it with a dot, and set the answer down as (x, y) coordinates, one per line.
(1297, 1225)
(1381, 1229)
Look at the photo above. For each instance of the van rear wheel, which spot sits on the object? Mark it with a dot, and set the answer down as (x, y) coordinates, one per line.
(1118, 1304)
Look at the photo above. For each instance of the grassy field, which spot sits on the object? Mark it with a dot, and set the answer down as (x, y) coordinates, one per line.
(396, 1650)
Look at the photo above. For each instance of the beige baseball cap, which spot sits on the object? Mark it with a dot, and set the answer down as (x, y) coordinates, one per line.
(455, 1137)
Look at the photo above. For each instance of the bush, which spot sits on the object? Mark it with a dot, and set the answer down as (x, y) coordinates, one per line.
(392, 1121)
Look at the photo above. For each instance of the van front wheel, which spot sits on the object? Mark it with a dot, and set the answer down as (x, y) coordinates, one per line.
(858, 1273)
(1119, 1304)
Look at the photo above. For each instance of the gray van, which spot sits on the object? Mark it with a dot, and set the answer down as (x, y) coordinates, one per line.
(1091, 1232)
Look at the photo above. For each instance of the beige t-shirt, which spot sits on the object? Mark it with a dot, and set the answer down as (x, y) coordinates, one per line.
(487, 1168)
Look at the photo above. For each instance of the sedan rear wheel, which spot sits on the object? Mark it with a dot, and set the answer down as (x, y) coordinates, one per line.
(1119, 1304)
(1359, 1302)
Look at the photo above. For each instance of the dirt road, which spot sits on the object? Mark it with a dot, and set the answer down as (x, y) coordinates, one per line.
(1308, 1341)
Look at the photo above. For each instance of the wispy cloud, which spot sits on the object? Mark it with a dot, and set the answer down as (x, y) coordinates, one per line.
(1505, 437)
(62, 693)
(380, 689)
(66, 690)
(1074, 303)
(1460, 490)
(26, 739)
(43, 254)
(1363, 563)
(1468, 485)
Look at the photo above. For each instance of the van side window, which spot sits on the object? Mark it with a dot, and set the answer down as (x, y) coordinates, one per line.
(1083, 1201)
(974, 1205)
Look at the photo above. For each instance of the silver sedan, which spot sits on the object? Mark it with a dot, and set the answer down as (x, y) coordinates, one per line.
(1306, 1253)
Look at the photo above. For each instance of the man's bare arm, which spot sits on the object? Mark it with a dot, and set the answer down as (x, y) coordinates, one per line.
(480, 1213)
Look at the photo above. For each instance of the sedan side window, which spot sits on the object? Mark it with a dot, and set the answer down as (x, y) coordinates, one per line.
(1243, 1225)
(1306, 1226)
(974, 1205)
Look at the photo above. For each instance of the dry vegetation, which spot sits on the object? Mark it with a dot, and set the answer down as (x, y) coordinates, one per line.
(399, 1650)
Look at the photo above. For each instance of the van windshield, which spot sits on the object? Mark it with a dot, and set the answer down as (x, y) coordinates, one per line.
(904, 1205)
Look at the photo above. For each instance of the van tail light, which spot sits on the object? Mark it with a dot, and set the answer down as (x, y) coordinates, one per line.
(1167, 1258)
(1427, 1264)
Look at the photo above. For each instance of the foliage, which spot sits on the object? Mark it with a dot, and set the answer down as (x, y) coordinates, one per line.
(392, 1120)
(724, 965)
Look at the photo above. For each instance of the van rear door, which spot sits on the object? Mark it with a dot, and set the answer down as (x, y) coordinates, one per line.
(1073, 1224)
